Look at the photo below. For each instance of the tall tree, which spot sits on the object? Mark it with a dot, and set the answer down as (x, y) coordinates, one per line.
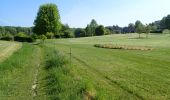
(47, 20)
(167, 22)
(79, 32)
(93, 26)
(147, 30)
(2, 31)
(139, 27)
(88, 31)
(131, 28)
(162, 23)
(100, 30)
(90, 28)
(11, 30)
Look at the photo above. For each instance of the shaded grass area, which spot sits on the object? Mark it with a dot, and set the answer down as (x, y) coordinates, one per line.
(17, 73)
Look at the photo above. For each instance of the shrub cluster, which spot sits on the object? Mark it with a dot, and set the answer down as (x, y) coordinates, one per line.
(20, 37)
(23, 39)
(7, 38)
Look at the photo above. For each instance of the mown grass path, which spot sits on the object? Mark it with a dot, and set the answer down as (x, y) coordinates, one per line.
(19, 73)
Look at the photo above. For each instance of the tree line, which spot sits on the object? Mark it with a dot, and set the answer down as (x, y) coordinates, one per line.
(48, 19)
(12, 30)
(48, 25)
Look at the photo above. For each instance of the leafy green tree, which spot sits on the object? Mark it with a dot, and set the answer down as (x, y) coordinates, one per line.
(22, 34)
(139, 27)
(68, 34)
(107, 31)
(90, 29)
(167, 22)
(162, 23)
(147, 30)
(153, 28)
(100, 30)
(47, 20)
(27, 30)
(11, 30)
(131, 28)
(65, 27)
(66, 31)
(93, 26)
(2, 31)
(80, 32)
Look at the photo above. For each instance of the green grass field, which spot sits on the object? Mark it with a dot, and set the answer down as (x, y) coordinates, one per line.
(90, 73)
(121, 74)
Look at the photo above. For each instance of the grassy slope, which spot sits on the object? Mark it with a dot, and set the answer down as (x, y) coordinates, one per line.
(17, 73)
(121, 74)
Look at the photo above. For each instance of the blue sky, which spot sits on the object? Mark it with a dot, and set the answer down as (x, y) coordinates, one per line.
(78, 13)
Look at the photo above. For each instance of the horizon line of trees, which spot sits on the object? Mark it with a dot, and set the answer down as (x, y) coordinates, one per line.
(48, 24)
(93, 29)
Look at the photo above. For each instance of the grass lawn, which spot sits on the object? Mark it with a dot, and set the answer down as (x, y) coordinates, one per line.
(120, 74)
(90, 73)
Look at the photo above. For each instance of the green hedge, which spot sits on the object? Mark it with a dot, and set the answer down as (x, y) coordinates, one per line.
(23, 39)
(7, 38)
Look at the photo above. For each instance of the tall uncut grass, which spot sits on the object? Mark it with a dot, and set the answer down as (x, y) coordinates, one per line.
(61, 80)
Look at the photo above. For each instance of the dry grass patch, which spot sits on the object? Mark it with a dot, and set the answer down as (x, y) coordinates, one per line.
(12, 47)
(126, 47)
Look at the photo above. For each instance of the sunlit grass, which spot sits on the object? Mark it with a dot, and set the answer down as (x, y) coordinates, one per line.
(73, 69)
(17, 73)
(121, 74)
